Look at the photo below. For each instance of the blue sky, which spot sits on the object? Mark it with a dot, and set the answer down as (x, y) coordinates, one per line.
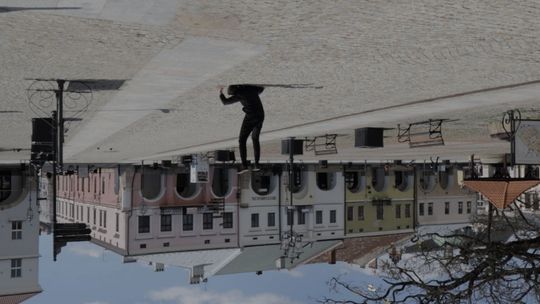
(88, 274)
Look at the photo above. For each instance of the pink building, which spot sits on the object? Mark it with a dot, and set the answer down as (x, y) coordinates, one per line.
(138, 210)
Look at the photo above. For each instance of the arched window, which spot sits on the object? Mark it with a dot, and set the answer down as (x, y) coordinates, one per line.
(445, 178)
(262, 182)
(5, 185)
(221, 182)
(326, 180)
(401, 181)
(298, 179)
(378, 179)
(151, 183)
(184, 186)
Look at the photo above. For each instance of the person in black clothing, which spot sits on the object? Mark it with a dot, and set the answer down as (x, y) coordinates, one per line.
(248, 95)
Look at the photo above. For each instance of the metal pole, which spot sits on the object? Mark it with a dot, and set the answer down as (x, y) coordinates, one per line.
(60, 121)
(55, 148)
(291, 184)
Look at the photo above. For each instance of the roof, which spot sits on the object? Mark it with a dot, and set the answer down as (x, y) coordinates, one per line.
(501, 192)
(17, 298)
(261, 258)
(212, 260)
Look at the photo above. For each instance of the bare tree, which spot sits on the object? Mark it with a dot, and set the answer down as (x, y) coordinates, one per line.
(493, 262)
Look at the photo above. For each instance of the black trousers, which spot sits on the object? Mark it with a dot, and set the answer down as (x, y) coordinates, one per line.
(251, 125)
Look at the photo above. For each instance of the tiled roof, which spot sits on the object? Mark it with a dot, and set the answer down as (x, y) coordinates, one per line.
(501, 193)
(16, 298)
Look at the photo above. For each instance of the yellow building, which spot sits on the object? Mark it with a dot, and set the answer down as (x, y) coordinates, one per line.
(379, 200)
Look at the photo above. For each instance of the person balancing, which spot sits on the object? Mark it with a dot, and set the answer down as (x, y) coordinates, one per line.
(248, 96)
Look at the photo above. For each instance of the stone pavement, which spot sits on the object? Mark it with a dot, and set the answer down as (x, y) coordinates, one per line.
(366, 55)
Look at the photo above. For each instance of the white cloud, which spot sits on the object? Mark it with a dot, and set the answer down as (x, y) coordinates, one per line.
(86, 251)
(192, 295)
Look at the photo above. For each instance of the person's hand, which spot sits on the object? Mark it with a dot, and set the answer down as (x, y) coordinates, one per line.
(221, 89)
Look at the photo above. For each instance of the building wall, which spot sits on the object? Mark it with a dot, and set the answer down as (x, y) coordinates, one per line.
(26, 248)
(167, 195)
(310, 199)
(369, 197)
(100, 187)
(251, 203)
(95, 201)
(178, 239)
(444, 188)
(108, 224)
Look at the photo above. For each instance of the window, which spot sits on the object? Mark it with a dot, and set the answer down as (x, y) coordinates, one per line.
(88, 214)
(94, 216)
(290, 214)
(271, 219)
(318, 217)
(460, 207)
(103, 185)
(100, 218)
(446, 207)
(421, 209)
(350, 213)
(117, 222)
(380, 211)
(16, 230)
(430, 209)
(227, 220)
(208, 221)
(16, 267)
(104, 219)
(144, 223)
(469, 207)
(5, 185)
(187, 222)
(82, 184)
(398, 211)
(95, 185)
(360, 213)
(332, 216)
(254, 220)
(166, 222)
(301, 217)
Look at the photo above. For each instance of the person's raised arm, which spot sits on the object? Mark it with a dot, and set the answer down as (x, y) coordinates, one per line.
(228, 100)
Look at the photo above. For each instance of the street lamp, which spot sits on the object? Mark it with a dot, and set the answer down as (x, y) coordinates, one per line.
(291, 241)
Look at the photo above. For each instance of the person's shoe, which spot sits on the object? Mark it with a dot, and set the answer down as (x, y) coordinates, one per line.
(256, 168)
(242, 170)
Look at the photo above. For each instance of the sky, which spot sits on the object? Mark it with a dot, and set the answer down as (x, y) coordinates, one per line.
(85, 273)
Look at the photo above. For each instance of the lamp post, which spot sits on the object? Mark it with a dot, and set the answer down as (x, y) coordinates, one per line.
(291, 241)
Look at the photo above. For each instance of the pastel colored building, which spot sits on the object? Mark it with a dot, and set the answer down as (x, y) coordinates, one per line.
(441, 199)
(379, 199)
(316, 210)
(259, 213)
(19, 232)
(139, 210)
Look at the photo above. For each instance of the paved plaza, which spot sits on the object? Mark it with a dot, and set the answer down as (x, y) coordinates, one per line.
(367, 63)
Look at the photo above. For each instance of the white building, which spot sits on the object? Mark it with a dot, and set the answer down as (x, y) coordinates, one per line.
(441, 199)
(318, 202)
(19, 233)
(259, 213)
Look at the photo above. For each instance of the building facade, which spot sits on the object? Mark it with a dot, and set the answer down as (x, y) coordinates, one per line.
(441, 199)
(379, 200)
(19, 233)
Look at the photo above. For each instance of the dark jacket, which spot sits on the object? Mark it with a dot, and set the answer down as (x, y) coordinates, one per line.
(248, 96)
